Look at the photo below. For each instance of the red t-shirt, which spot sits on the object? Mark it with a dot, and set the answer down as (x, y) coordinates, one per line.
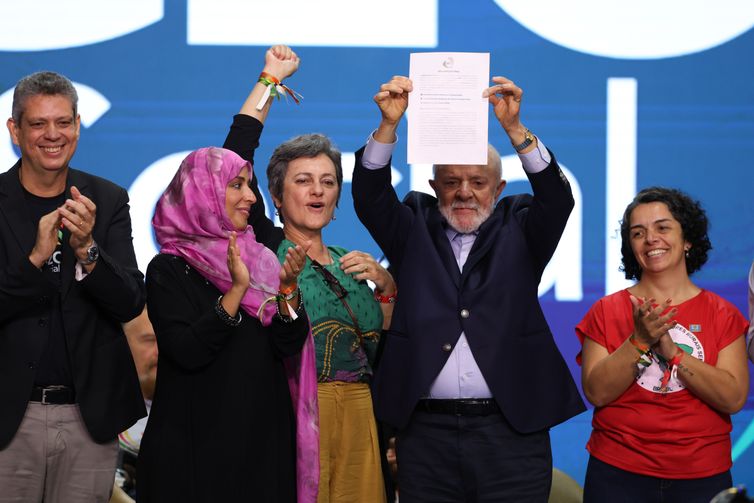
(672, 435)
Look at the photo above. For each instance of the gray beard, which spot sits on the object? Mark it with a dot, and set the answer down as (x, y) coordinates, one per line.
(482, 215)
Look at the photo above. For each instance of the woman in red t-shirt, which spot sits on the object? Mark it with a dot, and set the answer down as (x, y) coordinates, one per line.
(663, 362)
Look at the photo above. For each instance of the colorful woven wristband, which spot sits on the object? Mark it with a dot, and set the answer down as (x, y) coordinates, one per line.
(641, 348)
(275, 88)
(269, 78)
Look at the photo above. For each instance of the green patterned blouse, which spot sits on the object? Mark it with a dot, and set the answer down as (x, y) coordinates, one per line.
(339, 356)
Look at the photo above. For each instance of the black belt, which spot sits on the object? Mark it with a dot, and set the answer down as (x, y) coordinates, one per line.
(460, 406)
(55, 395)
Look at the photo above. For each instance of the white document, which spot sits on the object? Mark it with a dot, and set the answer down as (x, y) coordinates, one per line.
(447, 116)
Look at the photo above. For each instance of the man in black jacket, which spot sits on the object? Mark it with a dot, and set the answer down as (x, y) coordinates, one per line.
(68, 278)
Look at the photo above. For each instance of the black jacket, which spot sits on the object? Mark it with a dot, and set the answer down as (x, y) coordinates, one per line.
(107, 388)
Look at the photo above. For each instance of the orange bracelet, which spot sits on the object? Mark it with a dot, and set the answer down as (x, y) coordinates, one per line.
(270, 77)
(641, 348)
(275, 88)
(289, 290)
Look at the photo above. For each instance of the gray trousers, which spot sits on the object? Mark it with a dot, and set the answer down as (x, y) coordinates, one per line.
(53, 459)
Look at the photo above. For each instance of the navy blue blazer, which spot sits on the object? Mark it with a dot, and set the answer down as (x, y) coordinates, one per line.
(497, 290)
(104, 375)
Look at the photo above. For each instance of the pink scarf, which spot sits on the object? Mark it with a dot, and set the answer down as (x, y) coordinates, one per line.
(190, 221)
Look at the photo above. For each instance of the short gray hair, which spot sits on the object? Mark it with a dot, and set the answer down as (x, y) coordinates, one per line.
(47, 83)
(305, 145)
(493, 161)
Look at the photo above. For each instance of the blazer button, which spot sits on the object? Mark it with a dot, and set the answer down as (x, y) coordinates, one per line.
(447, 347)
(464, 313)
(42, 322)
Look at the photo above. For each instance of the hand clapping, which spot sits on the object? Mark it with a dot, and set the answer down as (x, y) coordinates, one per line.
(650, 324)
(78, 216)
(295, 259)
(239, 273)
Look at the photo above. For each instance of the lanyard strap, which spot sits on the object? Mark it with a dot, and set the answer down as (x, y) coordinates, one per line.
(340, 292)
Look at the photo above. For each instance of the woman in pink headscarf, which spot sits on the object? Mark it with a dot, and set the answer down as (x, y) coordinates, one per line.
(230, 324)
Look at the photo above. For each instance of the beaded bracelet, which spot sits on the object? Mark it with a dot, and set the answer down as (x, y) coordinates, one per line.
(224, 316)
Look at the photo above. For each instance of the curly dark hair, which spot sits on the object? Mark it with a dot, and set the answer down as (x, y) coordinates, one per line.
(688, 212)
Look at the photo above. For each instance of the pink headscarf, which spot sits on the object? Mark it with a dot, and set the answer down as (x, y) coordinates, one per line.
(190, 221)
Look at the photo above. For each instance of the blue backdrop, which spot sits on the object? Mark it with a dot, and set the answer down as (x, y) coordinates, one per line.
(626, 100)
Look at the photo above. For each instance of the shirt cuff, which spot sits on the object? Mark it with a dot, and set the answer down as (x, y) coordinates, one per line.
(536, 160)
(377, 155)
(80, 272)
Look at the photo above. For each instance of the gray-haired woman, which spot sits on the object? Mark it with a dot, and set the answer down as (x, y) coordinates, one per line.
(305, 180)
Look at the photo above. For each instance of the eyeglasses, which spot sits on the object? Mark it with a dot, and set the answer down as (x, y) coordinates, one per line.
(330, 280)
